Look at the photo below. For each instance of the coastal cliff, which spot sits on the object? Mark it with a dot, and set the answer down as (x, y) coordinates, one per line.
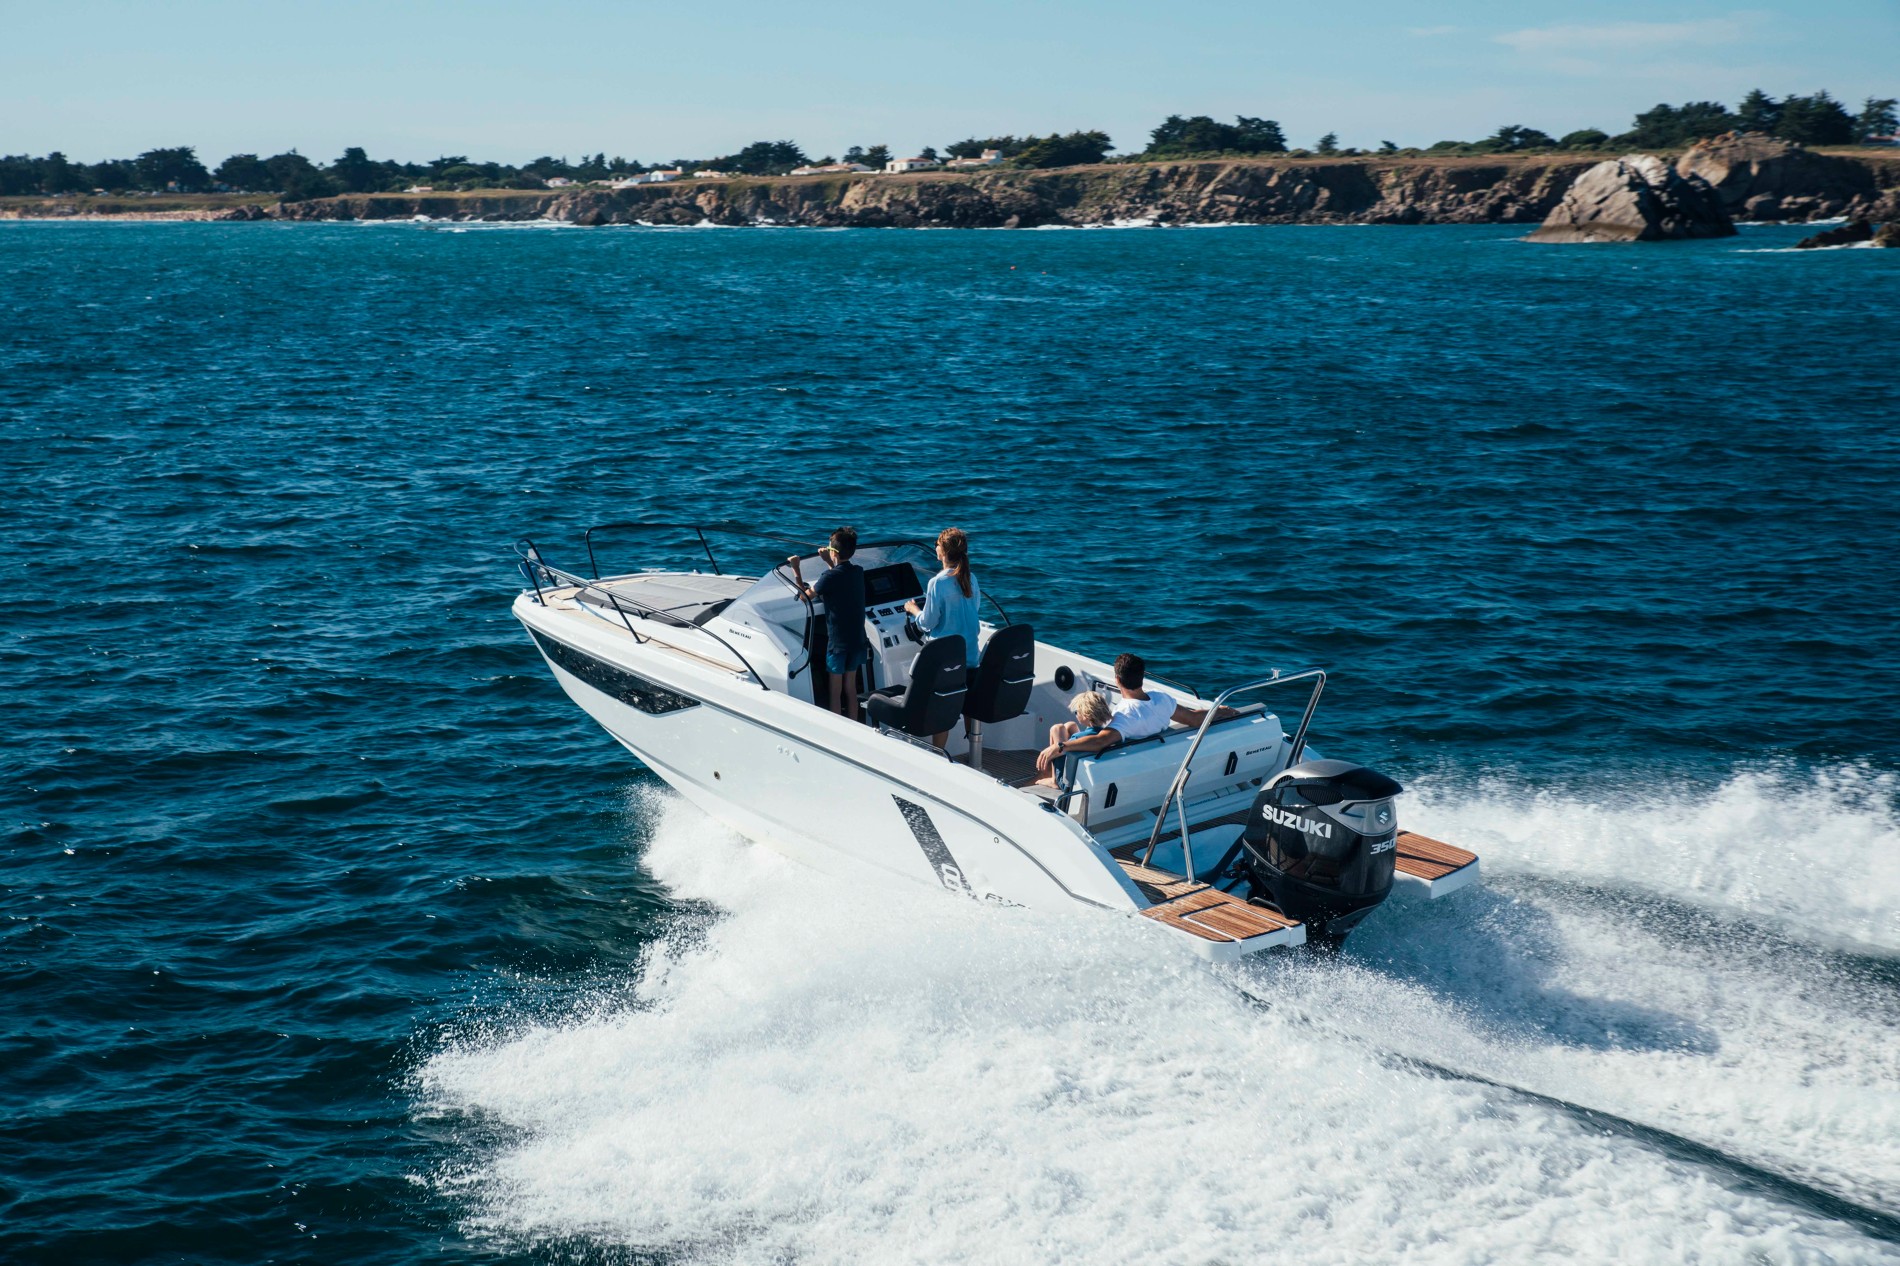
(1233, 192)
(1791, 185)
(1346, 191)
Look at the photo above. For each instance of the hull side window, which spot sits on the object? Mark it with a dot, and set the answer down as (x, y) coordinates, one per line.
(612, 680)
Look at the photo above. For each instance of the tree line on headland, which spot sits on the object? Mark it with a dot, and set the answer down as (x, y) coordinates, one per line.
(1816, 119)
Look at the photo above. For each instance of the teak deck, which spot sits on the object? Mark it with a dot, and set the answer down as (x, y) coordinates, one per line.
(1207, 912)
(1193, 907)
(1426, 858)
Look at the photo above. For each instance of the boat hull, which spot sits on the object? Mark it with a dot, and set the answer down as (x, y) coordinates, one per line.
(833, 794)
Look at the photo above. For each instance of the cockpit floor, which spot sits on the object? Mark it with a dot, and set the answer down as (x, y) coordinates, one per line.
(1015, 766)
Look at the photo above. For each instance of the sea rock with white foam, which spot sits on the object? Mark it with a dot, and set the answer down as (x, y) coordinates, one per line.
(1850, 234)
(1636, 198)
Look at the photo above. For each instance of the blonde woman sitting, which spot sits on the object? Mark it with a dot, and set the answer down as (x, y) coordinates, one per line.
(1094, 733)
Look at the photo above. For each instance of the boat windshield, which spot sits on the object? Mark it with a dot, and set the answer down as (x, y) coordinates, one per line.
(885, 571)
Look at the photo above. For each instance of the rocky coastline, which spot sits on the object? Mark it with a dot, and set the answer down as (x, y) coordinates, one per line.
(1756, 180)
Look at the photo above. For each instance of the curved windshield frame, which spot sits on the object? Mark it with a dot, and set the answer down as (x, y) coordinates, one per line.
(776, 582)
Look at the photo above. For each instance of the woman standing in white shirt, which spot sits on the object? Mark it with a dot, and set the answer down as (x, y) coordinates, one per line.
(950, 600)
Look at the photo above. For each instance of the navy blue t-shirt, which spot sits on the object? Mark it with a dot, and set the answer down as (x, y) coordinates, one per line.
(841, 589)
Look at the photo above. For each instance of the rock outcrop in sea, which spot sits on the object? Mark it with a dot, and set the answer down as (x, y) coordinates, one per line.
(1636, 198)
(1847, 235)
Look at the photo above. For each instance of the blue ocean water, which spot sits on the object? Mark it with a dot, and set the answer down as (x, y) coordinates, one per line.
(335, 933)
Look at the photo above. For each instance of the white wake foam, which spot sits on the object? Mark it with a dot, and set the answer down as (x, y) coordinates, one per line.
(831, 1073)
(1814, 851)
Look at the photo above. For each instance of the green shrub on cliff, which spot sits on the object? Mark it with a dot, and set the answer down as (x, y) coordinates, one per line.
(1009, 146)
(244, 171)
(1179, 137)
(1071, 150)
(355, 173)
(1878, 119)
(172, 169)
(763, 158)
(1816, 120)
(1665, 126)
(1512, 138)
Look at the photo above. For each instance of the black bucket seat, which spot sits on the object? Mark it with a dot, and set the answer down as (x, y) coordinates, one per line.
(1000, 686)
(931, 704)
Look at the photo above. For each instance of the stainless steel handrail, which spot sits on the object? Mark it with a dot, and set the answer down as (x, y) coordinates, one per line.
(532, 562)
(1181, 775)
(1067, 797)
(697, 529)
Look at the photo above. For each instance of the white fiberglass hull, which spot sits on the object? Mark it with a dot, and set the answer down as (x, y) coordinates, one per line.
(837, 795)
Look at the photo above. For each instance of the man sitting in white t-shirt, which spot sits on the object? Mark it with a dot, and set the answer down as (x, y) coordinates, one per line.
(1136, 713)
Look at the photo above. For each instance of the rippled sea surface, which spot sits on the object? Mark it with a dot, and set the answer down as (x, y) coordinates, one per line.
(334, 933)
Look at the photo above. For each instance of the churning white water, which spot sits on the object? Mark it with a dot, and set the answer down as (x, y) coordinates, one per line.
(1648, 1038)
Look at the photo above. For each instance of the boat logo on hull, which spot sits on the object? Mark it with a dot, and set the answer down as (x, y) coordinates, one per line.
(1286, 817)
(930, 840)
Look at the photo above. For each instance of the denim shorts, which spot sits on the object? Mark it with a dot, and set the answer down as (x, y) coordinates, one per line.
(848, 661)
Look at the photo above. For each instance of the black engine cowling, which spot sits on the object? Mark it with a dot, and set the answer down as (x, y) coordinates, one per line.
(1320, 843)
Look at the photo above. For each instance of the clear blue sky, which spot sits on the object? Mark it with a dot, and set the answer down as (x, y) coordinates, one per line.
(411, 79)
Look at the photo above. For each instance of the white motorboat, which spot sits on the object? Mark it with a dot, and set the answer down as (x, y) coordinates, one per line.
(1230, 834)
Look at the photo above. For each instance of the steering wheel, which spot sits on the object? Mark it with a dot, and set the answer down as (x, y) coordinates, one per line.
(913, 630)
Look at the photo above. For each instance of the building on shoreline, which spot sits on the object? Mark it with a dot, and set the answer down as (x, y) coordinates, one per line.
(990, 158)
(912, 164)
(831, 169)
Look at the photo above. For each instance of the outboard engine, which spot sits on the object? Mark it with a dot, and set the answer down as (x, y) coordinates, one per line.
(1320, 843)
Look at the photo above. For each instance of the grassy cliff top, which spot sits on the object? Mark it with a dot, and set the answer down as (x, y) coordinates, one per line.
(195, 205)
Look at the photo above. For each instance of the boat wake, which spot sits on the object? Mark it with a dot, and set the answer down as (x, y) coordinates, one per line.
(1698, 1066)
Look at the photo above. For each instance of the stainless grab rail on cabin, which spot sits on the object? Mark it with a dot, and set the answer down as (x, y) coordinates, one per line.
(697, 529)
(1181, 775)
(724, 528)
(536, 568)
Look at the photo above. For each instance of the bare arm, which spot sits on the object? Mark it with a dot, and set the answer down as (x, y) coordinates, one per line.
(798, 579)
(1097, 742)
